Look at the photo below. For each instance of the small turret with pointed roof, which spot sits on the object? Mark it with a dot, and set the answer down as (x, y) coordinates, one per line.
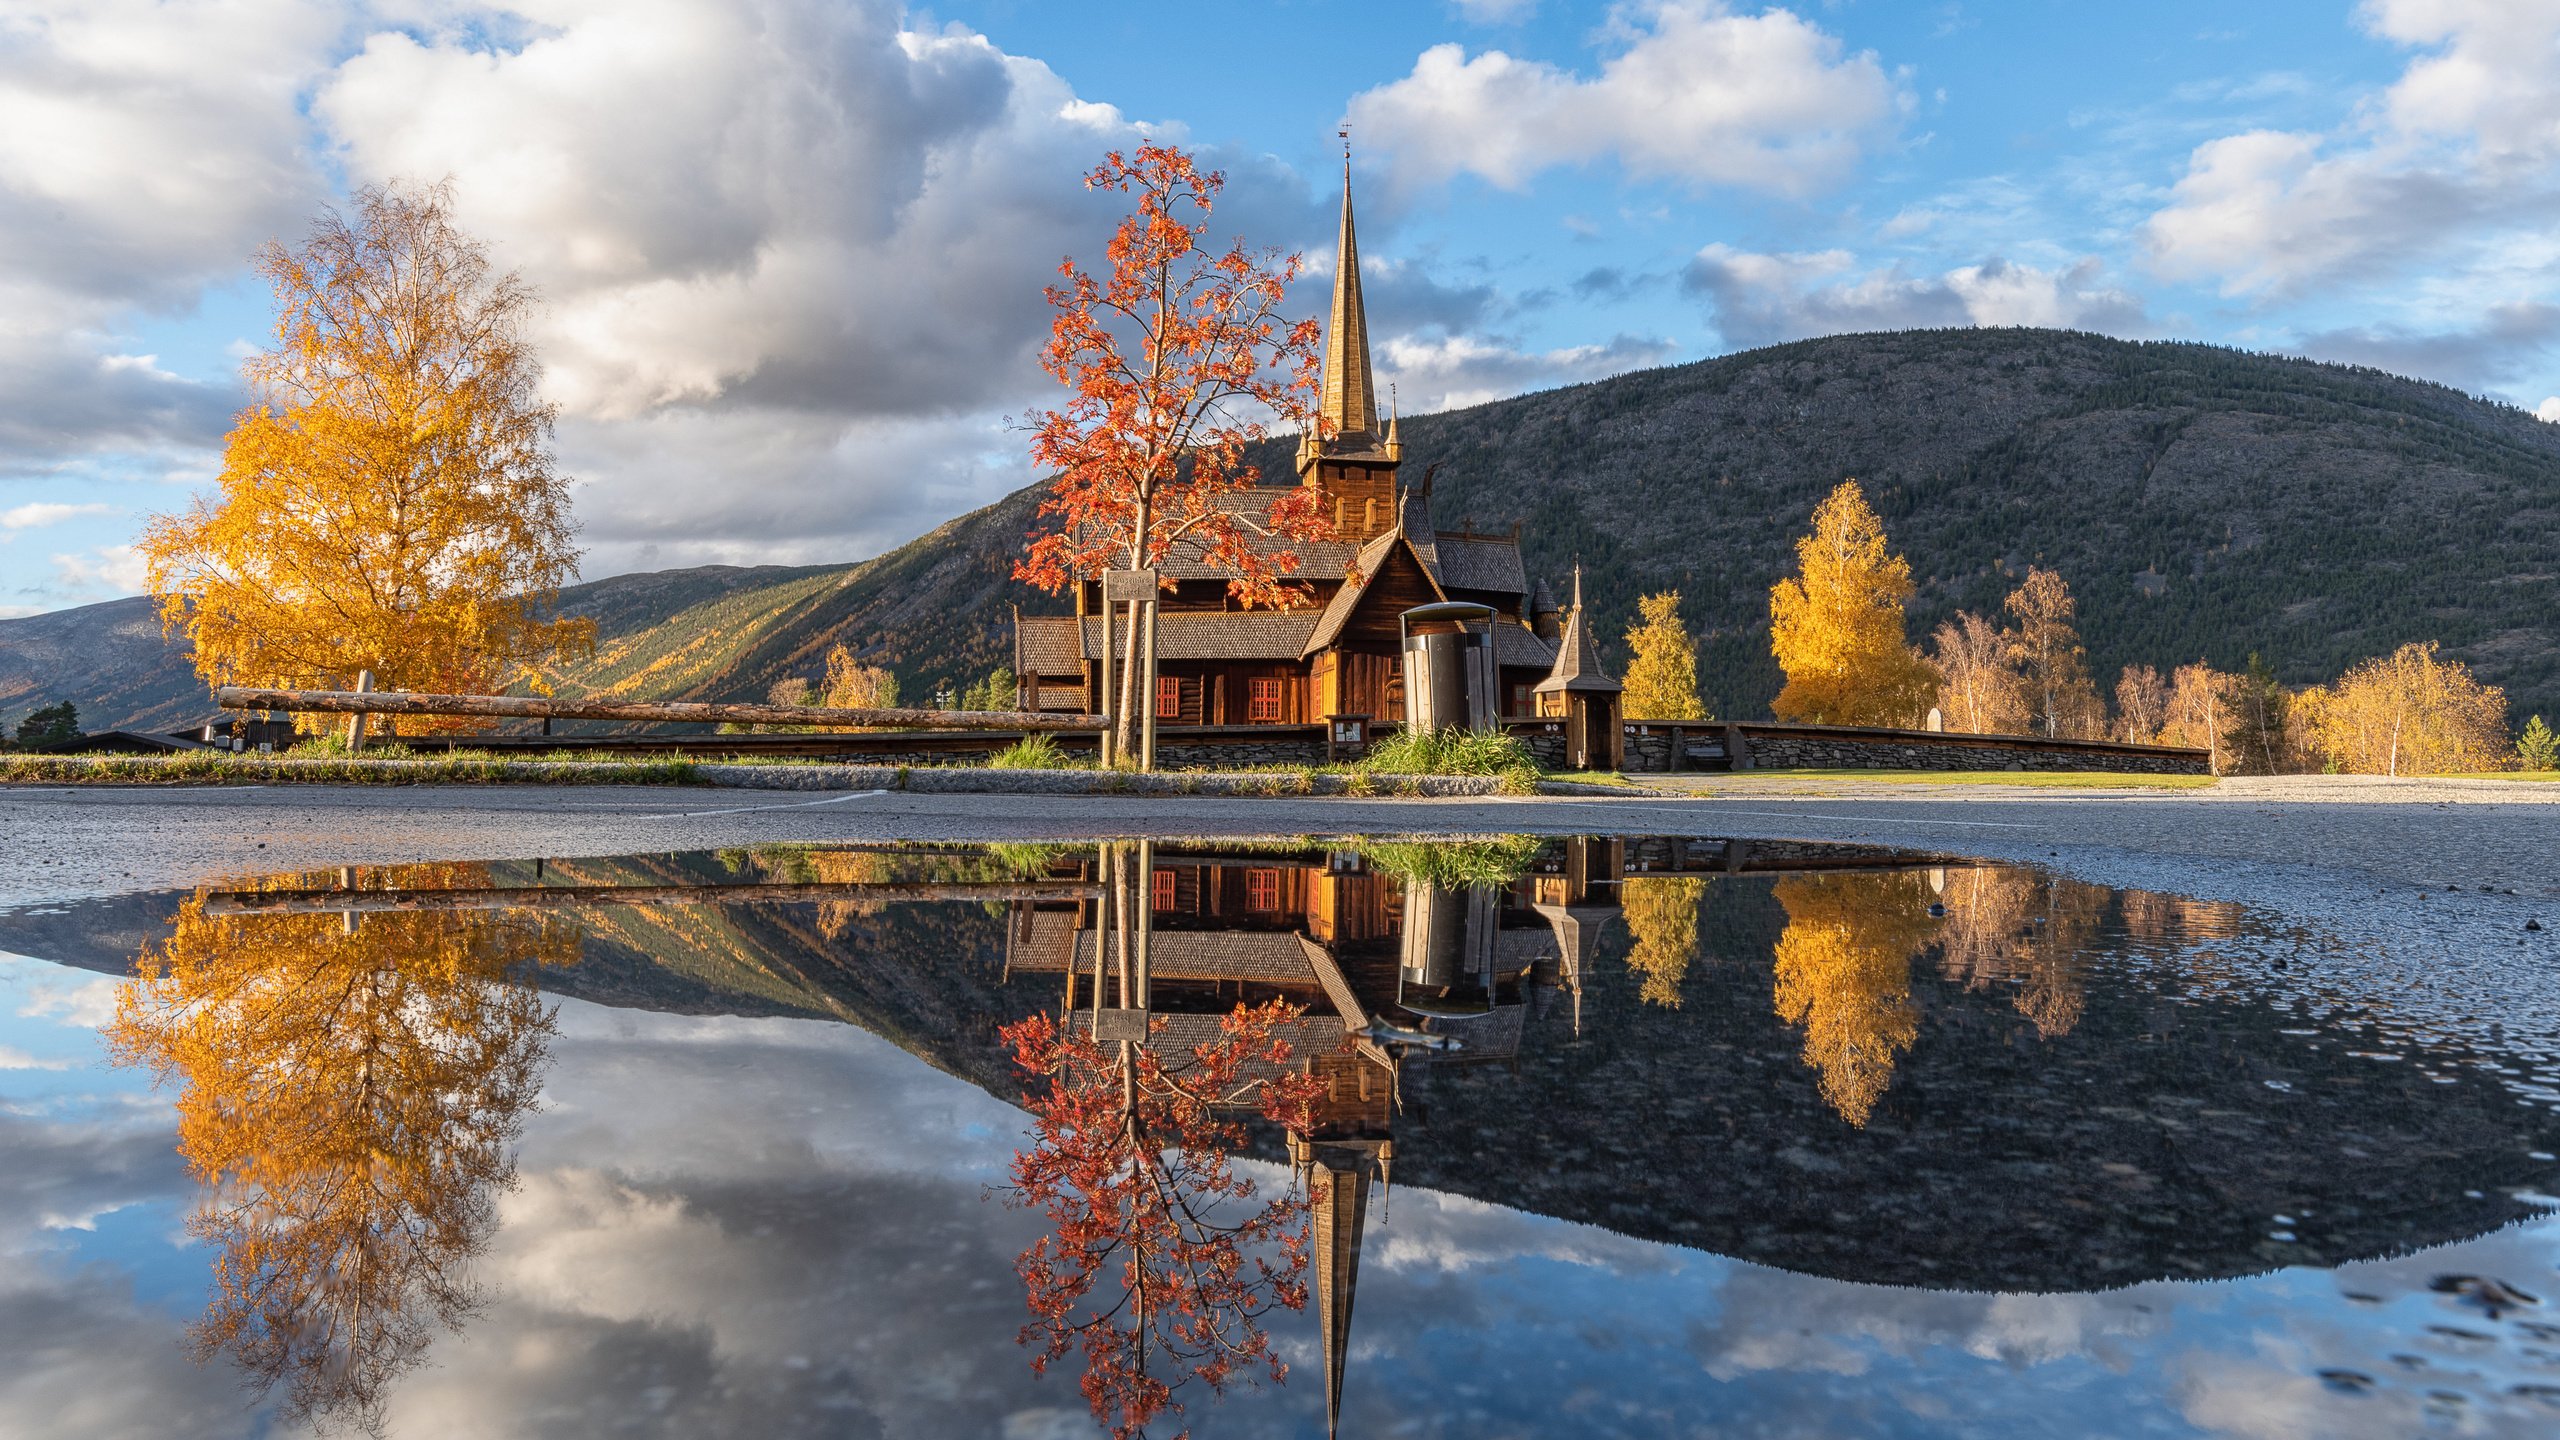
(1577, 659)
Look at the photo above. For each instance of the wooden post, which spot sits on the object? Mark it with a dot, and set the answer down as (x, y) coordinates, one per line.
(355, 722)
(1147, 685)
(1109, 691)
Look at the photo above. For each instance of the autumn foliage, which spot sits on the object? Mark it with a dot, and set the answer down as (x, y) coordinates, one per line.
(1161, 1261)
(1662, 917)
(1843, 972)
(2412, 712)
(1836, 625)
(1178, 361)
(1662, 664)
(389, 502)
(348, 1093)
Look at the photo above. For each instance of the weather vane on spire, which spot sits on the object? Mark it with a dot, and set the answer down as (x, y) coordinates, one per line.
(1345, 135)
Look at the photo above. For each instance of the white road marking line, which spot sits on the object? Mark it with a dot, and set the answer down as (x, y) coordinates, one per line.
(753, 809)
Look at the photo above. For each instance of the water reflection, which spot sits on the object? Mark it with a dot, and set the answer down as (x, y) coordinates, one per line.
(1806, 1057)
(349, 1089)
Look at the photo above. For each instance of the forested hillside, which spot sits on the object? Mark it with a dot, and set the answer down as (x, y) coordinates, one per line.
(2202, 502)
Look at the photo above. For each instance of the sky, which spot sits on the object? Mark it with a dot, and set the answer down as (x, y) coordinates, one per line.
(792, 251)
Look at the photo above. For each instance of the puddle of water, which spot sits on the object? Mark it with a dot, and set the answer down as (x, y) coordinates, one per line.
(1614, 1135)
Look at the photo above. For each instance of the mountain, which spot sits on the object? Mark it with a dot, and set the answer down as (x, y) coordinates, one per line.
(2203, 503)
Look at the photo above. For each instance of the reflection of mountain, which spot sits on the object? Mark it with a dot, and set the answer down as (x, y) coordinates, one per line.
(2008, 1150)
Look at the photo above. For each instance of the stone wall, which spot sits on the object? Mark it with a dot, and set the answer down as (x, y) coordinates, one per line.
(1545, 743)
(1813, 747)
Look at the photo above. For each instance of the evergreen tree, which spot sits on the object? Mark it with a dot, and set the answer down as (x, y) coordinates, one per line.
(2538, 749)
(1662, 664)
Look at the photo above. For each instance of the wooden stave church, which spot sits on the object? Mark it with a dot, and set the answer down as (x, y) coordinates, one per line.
(1339, 655)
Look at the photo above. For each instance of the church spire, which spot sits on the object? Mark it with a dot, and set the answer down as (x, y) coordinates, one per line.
(1350, 398)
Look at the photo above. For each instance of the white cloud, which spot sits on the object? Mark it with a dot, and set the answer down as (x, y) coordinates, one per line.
(42, 513)
(2459, 151)
(1691, 91)
(145, 150)
(13, 1058)
(1453, 371)
(2549, 410)
(1761, 299)
(107, 570)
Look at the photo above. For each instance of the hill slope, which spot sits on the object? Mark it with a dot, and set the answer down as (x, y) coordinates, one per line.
(2202, 502)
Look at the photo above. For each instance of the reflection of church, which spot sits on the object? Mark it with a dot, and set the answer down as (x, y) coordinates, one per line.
(1391, 972)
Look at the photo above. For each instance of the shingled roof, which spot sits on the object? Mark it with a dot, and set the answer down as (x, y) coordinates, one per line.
(1577, 659)
(1481, 562)
(1337, 612)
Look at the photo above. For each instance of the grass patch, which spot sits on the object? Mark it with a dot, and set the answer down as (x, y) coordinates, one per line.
(2041, 779)
(221, 768)
(1592, 777)
(1453, 863)
(1497, 753)
(1036, 751)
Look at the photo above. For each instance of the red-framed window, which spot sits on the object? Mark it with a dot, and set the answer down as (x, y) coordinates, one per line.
(1168, 697)
(1263, 701)
(1262, 889)
(1161, 883)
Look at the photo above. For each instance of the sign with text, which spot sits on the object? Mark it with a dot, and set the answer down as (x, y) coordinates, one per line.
(1122, 587)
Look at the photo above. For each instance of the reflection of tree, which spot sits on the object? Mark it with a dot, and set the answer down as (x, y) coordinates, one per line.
(350, 1087)
(1158, 1255)
(1844, 973)
(1662, 915)
(2012, 925)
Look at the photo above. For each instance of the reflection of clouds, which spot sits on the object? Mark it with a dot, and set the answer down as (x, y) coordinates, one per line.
(86, 1003)
(754, 1228)
(84, 1359)
(1769, 1320)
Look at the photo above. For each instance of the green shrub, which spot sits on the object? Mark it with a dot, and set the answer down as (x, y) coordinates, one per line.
(1451, 752)
(1453, 863)
(1031, 752)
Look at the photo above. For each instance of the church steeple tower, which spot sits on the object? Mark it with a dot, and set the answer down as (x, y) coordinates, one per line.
(1350, 396)
(1356, 468)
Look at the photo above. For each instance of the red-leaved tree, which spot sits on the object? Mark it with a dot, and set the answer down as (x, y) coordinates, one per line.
(1161, 1260)
(1178, 361)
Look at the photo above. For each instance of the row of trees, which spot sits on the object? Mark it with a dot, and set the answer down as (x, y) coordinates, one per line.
(1837, 627)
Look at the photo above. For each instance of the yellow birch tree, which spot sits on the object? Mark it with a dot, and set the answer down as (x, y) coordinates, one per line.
(1836, 625)
(2062, 701)
(1843, 972)
(1662, 916)
(350, 1088)
(1662, 664)
(1978, 687)
(389, 502)
(2411, 712)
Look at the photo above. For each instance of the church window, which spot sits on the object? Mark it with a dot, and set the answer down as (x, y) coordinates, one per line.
(1264, 701)
(1262, 889)
(1162, 886)
(1168, 697)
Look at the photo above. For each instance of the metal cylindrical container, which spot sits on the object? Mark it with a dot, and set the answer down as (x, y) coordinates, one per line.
(1435, 682)
(1448, 950)
(1450, 676)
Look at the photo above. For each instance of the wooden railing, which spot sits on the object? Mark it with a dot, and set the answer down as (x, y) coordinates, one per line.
(698, 712)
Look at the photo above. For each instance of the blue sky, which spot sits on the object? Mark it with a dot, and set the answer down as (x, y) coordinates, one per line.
(792, 249)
